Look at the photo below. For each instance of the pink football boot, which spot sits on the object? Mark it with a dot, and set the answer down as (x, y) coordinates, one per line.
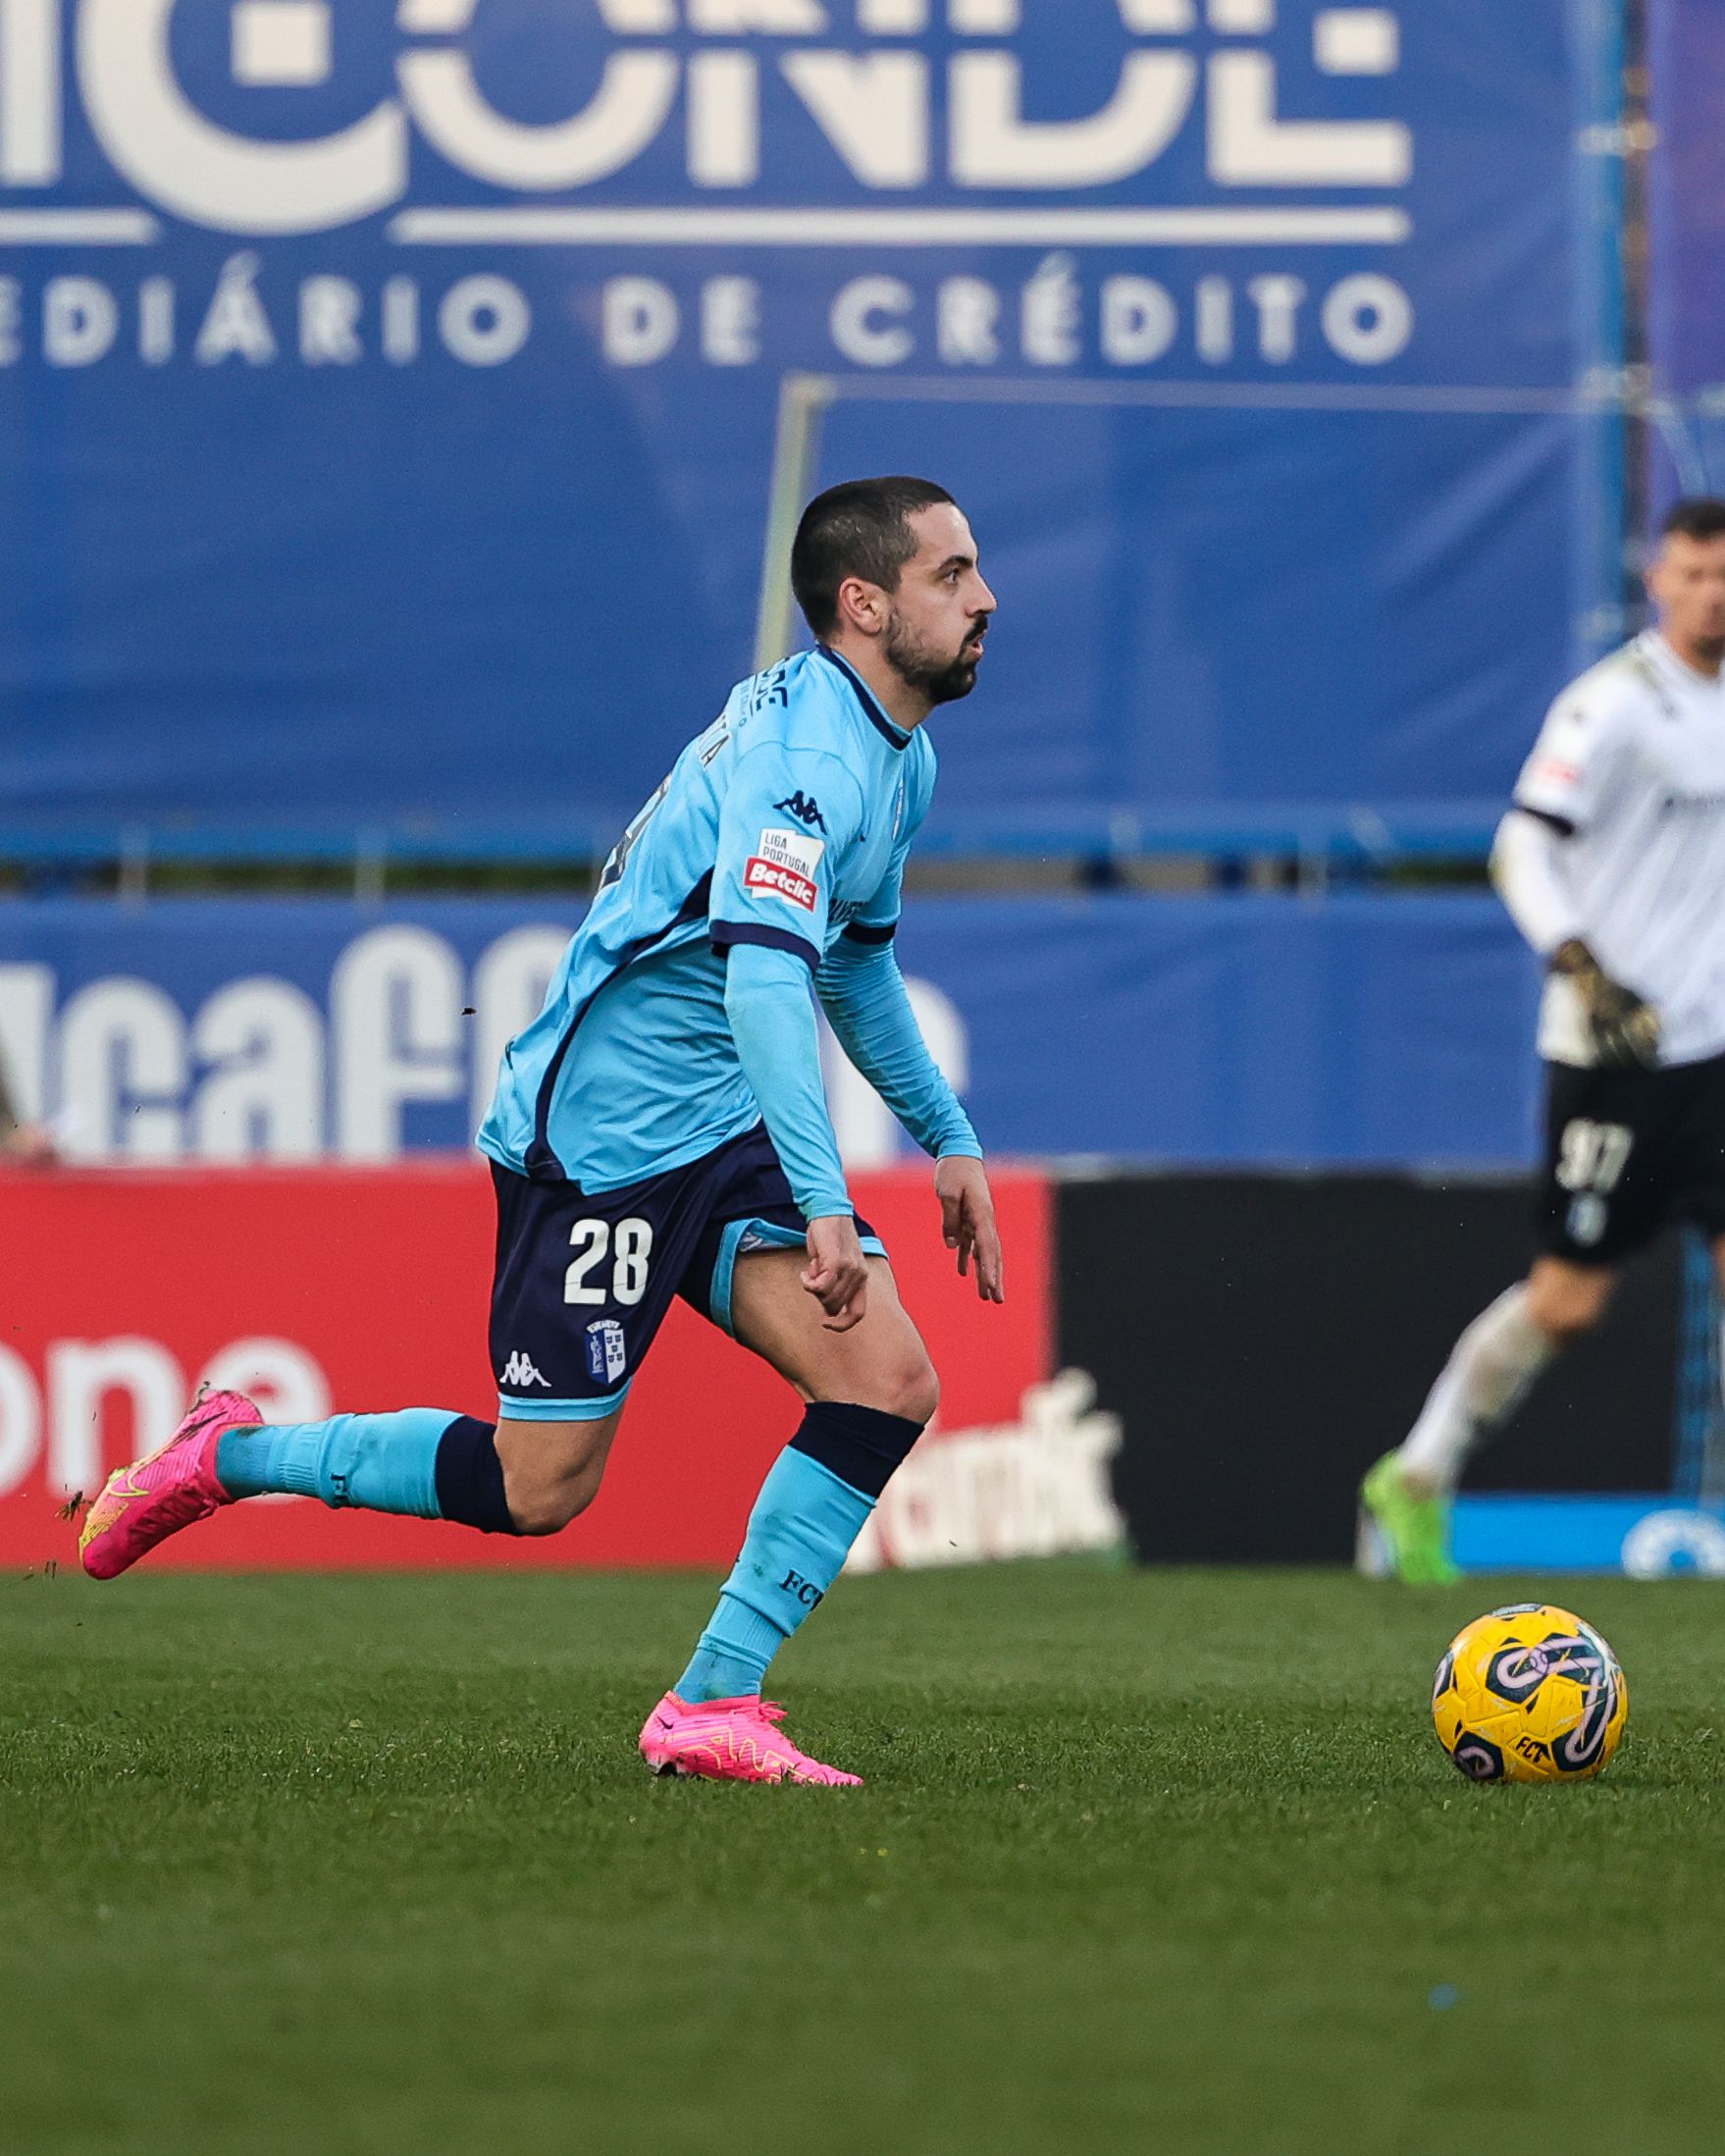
(145, 1503)
(730, 1740)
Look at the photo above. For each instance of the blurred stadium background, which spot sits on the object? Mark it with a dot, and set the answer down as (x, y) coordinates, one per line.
(400, 413)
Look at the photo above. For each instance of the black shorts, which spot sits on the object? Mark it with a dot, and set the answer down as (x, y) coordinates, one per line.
(1628, 1151)
(583, 1282)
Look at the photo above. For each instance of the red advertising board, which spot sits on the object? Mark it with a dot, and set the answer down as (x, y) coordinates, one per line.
(337, 1288)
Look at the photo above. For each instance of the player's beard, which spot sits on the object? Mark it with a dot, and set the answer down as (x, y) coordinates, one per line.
(1709, 641)
(940, 680)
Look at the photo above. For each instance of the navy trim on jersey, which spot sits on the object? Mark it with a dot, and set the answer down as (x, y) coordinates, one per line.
(868, 931)
(540, 1159)
(871, 710)
(724, 933)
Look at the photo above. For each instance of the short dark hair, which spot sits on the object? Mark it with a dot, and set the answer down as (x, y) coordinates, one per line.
(1696, 516)
(862, 528)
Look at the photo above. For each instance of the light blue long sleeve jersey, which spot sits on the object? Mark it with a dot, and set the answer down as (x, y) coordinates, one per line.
(680, 1015)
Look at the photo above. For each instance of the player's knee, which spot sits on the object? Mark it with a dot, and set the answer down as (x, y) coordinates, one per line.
(1568, 1304)
(1571, 1322)
(910, 1389)
(921, 1394)
(545, 1504)
(548, 1511)
(537, 1515)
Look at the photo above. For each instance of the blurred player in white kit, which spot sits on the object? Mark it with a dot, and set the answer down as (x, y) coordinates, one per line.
(1612, 863)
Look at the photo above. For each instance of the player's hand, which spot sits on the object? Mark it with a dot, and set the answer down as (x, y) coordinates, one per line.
(1625, 1029)
(967, 1206)
(837, 1272)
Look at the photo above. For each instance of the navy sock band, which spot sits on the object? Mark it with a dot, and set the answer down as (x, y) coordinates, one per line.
(859, 1444)
(470, 1478)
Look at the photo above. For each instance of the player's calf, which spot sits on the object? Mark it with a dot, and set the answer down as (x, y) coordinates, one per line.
(814, 1505)
(417, 1462)
(1405, 1497)
(870, 1392)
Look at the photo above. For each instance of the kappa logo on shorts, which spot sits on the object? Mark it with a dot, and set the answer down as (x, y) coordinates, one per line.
(784, 866)
(519, 1370)
(606, 1355)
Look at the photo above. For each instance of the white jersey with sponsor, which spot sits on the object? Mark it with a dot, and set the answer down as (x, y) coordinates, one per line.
(1631, 763)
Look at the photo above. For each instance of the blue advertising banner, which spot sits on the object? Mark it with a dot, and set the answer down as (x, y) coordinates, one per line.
(1233, 1030)
(1649, 1537)
(1686, 292)
(392, 400)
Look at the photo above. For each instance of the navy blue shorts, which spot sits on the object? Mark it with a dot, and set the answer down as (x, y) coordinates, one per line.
(583, 1282)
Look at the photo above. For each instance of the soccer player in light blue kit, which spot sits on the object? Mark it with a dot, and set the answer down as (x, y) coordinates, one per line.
(660, 1129)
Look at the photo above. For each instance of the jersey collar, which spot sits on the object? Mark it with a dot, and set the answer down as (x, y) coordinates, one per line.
(1654, 641)
(871, 709)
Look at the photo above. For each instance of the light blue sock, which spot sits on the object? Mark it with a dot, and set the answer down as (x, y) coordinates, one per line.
(799, 1533)
(381, 1463)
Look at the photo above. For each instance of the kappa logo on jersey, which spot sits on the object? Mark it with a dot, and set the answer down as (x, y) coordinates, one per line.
(606, 1356)
(784, 866)
(519, 1370)
(806, 809)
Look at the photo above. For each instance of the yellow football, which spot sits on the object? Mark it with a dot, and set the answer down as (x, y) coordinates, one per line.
(1529, 1694)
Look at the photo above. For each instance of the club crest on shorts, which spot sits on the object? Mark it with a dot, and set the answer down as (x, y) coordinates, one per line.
(1587, 1217)
(606, 1356)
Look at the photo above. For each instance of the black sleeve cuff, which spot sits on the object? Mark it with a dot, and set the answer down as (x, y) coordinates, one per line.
(863, 932)
(724, 933)
(1560, 824)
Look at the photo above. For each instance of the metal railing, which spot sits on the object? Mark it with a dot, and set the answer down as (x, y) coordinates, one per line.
(1318, 841)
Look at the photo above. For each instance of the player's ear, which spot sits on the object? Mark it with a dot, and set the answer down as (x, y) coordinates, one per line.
(862, 605)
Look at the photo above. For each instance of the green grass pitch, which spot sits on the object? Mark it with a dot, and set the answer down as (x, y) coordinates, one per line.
(1158, 1862)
